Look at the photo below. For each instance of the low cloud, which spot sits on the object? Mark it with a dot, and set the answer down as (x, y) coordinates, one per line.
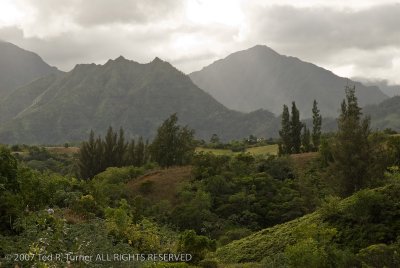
(362, 39)
(366, 39)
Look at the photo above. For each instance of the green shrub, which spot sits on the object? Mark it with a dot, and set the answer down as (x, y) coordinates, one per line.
(379, 256)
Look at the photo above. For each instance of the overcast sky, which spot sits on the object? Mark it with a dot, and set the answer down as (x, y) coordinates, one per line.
(351, 38)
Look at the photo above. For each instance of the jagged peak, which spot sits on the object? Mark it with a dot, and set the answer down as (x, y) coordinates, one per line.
(83, 66)
(156, 60)
(262, 49)
(121, 58)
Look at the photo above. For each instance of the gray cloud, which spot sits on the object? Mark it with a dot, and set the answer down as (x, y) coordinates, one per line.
(366, 38)
(329, 28)
(101, 12)
(362, 42)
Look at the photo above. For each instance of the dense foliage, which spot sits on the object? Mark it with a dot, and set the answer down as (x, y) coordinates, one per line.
(166, 198)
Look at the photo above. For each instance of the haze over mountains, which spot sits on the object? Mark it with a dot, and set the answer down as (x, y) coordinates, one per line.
(389, 89)
(19, 67)
(259, 77)
(59, 107)
(385, 114)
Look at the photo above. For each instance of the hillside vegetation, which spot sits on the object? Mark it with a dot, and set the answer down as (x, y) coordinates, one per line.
(121, 93)
(339, 231)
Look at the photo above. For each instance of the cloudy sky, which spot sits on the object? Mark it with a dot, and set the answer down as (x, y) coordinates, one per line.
(352, 37)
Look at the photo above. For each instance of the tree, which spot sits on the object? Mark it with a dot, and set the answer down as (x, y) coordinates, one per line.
(295, 129)
(306, 139)
(173, 145)
(139, 153)
(8, 169)
(131, 153)
(317, 122)
(110, 148)
(351, 149)
(197, 245)
(89, 164)
(285, 132)
(120, 149)
(214, 139)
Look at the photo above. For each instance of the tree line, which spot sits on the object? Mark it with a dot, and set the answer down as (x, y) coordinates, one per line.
(292, 139)
(173, 145)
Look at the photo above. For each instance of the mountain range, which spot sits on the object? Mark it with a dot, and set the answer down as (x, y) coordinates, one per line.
(19, 67)
(259, 77)
(58, 107)
(121, 93)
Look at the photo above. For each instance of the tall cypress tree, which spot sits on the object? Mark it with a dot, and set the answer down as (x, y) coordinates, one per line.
(285, 145)
(120, 149)
(110, 148)
(139, 152)
(88, 165)
(99, 155)
(351, 150)
(130, 153)
(146, 152)
(295, 127)
(317, 122)
(306, 139)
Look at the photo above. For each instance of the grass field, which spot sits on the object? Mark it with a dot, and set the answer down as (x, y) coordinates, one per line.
(268, 149)
(261, 150)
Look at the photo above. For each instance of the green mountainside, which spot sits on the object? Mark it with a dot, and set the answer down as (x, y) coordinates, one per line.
(138, 97)
(19, 67)
(386, 114)
(259, 77)
(365, 220)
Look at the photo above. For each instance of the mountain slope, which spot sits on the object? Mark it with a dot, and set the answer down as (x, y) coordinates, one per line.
(19, 67)
(389, 89)
(138, 97)
(385, 114)
(261, 78)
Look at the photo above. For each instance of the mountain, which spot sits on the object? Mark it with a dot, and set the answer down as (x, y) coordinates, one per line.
(389, 89)
(385, 114)
(64, 107)
(19, 67)
(261, 78)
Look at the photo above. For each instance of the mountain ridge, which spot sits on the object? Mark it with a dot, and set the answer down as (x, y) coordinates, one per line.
(123, 93)
(246, 80)
(19, 67)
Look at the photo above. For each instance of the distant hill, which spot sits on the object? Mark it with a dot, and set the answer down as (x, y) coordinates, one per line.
(385, 114)
(261, 78)
(19, 67)
(139, 97)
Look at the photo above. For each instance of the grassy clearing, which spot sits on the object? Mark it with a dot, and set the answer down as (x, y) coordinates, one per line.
(160, 184)
(214, 151)
(261, 150)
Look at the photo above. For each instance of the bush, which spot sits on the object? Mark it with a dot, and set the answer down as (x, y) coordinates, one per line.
(380, 255)
(197, 245)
